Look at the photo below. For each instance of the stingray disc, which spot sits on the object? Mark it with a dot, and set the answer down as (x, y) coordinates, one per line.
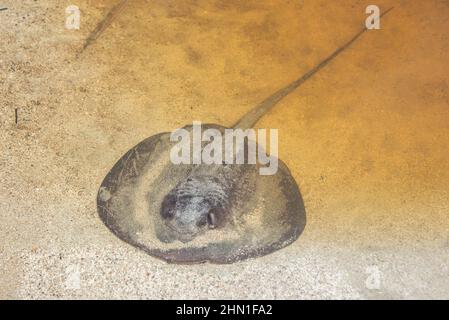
(267, 212)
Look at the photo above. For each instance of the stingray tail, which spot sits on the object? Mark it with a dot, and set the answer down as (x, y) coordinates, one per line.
(250, 118)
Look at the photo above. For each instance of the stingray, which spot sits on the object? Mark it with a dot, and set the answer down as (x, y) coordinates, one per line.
(217, 213)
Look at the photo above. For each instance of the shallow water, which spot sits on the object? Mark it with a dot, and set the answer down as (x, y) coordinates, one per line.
(366, 139)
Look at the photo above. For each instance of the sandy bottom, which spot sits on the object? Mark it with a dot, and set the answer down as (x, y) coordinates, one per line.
(366, 140)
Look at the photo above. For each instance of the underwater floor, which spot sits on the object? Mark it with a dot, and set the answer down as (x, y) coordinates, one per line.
(366, 139)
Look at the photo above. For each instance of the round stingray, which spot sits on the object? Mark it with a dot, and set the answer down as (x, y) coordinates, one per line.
(267, 211)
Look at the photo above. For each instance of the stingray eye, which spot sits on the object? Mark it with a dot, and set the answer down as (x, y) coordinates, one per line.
(212, 220)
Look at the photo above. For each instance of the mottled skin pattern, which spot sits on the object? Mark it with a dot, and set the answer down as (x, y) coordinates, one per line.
(201, 202)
